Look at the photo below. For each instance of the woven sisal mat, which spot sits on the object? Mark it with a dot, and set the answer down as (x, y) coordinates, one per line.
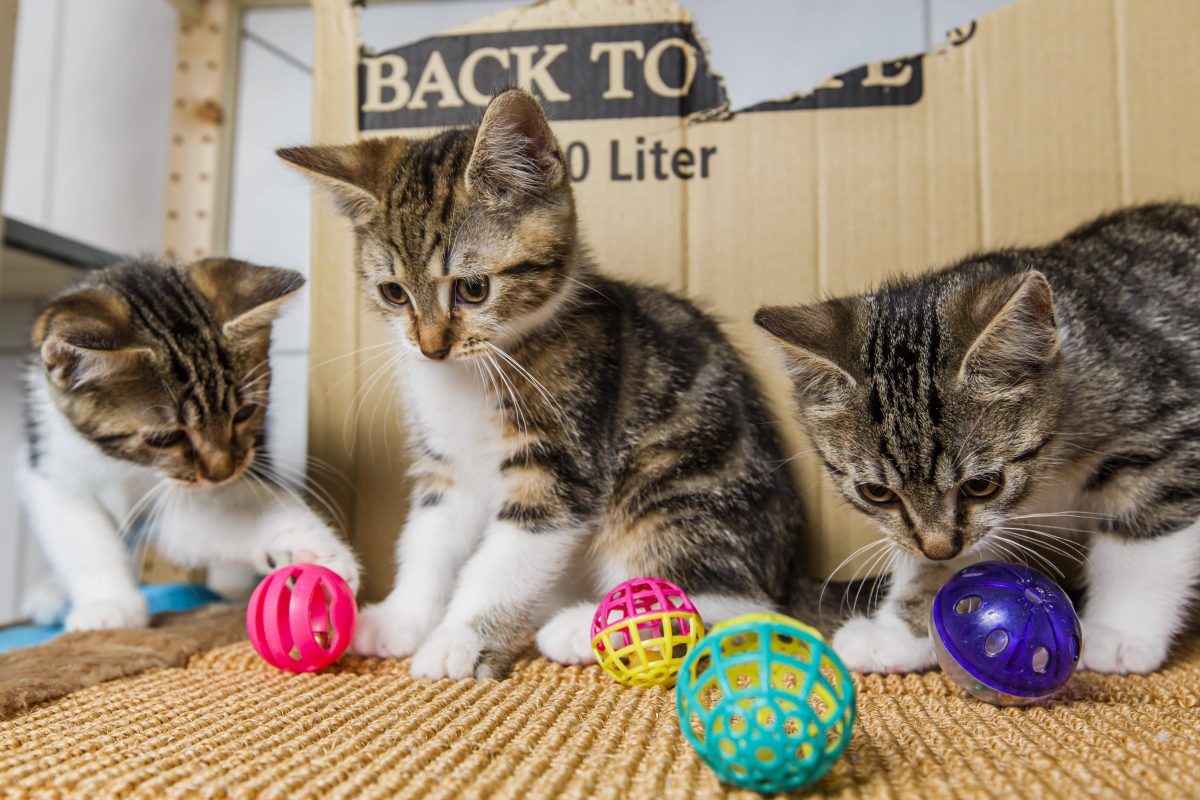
(227, 725)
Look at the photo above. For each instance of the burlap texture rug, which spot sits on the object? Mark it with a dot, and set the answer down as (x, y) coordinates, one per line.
(228, 725)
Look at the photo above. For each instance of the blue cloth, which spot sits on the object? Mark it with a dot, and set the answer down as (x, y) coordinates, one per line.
(159, 597)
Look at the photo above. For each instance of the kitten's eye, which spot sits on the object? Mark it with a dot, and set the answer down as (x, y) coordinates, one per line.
(244, 413)
(471, 290)
(393, 293)
(876, 493)
(982, 486)
(165, 439)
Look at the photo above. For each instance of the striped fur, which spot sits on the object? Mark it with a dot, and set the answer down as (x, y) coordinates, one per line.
(1062, 380)
(570, 431)
(146, 404)
(138, 351)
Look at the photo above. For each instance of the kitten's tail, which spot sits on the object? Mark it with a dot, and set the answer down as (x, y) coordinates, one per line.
(46, 602)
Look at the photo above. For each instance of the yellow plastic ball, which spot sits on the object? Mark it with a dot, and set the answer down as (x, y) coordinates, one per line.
(642, 631)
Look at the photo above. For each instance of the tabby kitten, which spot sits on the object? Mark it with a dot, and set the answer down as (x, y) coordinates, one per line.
(146, 399)
(569, 430)
(1021, 397)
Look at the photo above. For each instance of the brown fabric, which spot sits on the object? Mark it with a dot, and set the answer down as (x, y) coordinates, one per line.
(76, 660)
(228, 725)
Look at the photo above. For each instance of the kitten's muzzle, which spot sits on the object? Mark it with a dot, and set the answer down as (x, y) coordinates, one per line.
(436, 355)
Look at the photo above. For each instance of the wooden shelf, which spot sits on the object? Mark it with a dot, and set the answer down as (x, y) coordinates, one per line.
(38, 263)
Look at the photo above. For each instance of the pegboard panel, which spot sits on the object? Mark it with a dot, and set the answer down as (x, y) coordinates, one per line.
(201, 132)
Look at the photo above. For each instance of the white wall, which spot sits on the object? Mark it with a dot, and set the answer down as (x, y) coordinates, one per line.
(87, 139)
(88, 135)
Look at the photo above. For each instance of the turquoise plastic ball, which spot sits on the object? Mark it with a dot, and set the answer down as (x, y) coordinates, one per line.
(766, 703)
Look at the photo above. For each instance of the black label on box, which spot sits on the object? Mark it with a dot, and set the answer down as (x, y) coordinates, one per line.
(606, 72)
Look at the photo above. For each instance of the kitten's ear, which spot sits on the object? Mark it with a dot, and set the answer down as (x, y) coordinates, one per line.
(85, 337)
(817, 344)
(353, 174)
(1018, 332)
(245, 298)
(515, 154)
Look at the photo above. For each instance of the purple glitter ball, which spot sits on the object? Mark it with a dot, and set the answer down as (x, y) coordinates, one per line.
(1005, 633)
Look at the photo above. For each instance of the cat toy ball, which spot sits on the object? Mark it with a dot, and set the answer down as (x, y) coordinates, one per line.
(642, 630)
(1005, 633)
(301, 618)
(766, 703)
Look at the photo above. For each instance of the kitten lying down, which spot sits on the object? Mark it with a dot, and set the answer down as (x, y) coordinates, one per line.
(569, 430)
(1021, 398)
(146, 403)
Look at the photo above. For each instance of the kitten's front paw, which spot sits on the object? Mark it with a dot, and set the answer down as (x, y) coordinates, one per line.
(46, 603)
(386, 633)
(873, 645)
(310, 543)
(1109, 650)
(452, 651)
(123, 611)
(566, 638)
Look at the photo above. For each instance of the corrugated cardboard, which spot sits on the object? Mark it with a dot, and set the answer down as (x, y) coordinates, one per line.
(1027, 123)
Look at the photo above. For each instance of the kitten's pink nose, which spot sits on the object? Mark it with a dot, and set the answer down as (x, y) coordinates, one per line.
(216, 467)
(940, 548)
(436, 355)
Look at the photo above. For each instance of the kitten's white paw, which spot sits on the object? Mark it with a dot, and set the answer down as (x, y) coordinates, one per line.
(309, 542)
(384, 632)
(566, 638)
(46, 602)
(874, 645)
(122, 611)
(452, 651)
(1109, 650)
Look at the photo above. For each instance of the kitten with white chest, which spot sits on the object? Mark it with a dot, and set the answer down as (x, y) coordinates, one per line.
(146, 405)
(1021, 398)
(569, 431)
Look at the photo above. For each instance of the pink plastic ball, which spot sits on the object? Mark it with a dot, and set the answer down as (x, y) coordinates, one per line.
(301, 618)
(642, 630)
(638, 597)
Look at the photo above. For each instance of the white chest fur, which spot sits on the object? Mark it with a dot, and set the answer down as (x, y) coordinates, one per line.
(453, 408)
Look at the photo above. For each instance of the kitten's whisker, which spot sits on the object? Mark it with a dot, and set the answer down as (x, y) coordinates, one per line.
(1053, 547)
(362, 392)
(1044, 526)
(290, 476)
(545, 393)
(877, 590)
(366, 349)
(784, 462)
(522, 422)
(1045, 534)
(284, 485)
(1022, 548)
(142, 504)
(833, 574)
(870, 568)
(1080, 514)
(589, 288)
(1049, 539)
(360, 367)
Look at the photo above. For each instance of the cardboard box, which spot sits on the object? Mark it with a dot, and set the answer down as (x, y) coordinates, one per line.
(1028, 122)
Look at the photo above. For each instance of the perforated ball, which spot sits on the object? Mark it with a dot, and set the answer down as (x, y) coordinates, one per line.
(1006, 633)
(766, 703)
(643, 629)
(301, 618)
